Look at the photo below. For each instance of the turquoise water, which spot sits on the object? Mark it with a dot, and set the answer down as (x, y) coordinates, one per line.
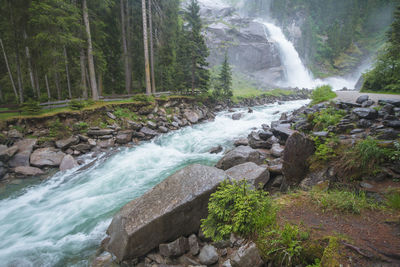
(61, 221)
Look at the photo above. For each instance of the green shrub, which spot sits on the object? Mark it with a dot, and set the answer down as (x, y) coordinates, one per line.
(122, 113)
(343, 201)
(75, 104)
(393, 200)
(81, 126)
(57, 129)
(321, 94)
(32, 107)
(235, 208)
(325, 148)
(143, 98)
(327, 117)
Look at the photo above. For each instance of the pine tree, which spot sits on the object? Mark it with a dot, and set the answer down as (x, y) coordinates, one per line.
(198, 49)
(225, 78)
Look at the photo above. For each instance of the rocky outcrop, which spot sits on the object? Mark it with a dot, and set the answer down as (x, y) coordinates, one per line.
(171, 209)
(297, 151)
(239, 155)
(25, 148)
(256, 176)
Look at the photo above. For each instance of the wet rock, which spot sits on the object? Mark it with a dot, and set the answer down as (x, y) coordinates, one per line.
(100, 132)
(106, 143)
(366, 113)
(256, 142)
(237, 116)
(105, 259)
(163, 129)
(208, 255)
(277, 150)
(124, 137)
(282, 132)
(25, 148)
(247, 255)
(265, 135)
(239, 155)
(28, 171)
(216, 150)
(46, 157)
(68, 163)
(7, 153)
(295, 157)
(173, 208)
(362, 99)
(65, 143)
(175, 248)
(255, 175)
(241, 142)
(193, 245)
(191, 116)
(250, 110)
(3, 171)
(363, 123)
(148, 132)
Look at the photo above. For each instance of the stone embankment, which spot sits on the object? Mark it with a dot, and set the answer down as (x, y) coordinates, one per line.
(161, 228)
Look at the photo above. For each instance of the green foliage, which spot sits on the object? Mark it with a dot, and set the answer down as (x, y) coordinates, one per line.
(393, 200)
(143, 98)
(343, 201)
(75, 104)
(81, 127)
(57, 129)
(223, 89)
(282, 246)
(32, 107)
(325, 148)
(321, 94)
(326, 117)
(331, 253)
(235, 208)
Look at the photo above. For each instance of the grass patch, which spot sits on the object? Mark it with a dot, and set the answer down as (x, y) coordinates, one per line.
(393, 200)
(325, 118)
(343, 201)
(321, 94)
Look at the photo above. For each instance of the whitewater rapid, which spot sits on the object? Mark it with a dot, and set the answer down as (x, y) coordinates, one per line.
(62, 221)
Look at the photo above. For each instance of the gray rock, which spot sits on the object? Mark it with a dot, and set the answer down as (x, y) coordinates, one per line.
(366, 185)
(100, 132)
(366, 113)
(216, 150)
(255, 175)
(241, 142)
(106, 143)
(364, 123)
(357, 131)
(148, 132)
(362, 99)
(175, 248)
(239, 155)
(173, 208)
(163, 129)
(282, 132)
(28, 171)
(277, 150)
(134, 125)
(265, 135)
(83, 148)
(124, 137)
(152, 125)
(367, 103)
(15, 134)
(275, 169)
(91, 142)
(387, 134)
(388, 108)
(237, 116)
(208, 255)
(8, 153)
(314, 178)
(68, 163)
(105, 137)
(111, 116)
(395, 103)
(191, 116)
(247, 255)
(227, 263)
(46, 157)
(25, 148)
(256, 142)
(392, 123)
(295, 157)
(65, 143)
(193, 245)
(321, 134)
(3, 172)
(105, 259)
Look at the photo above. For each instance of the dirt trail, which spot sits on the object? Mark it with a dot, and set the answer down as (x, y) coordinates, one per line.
(351, 96)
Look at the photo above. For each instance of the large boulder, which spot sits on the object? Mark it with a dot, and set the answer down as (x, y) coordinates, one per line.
(65, 143)
(255, 141)
(124, 137)
(366, 113)
(25, 148)
(67, 163)
(7, 153)
(175, 248)
(362, 99)
(46, 157)
(208, 255)
(191, 116)
(239, 155)
(255, 175)
(28, 171)
(282, 132)
(171, 209)
(297, 151)
(148, 132)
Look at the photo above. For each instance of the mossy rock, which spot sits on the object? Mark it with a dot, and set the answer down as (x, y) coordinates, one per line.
(331, 256)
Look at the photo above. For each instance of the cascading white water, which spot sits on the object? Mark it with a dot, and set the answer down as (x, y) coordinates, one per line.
(61, 221)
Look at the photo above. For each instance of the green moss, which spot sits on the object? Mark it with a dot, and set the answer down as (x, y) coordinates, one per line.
(331, 256)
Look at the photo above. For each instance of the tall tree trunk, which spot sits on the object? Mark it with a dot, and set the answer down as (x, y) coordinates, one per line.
(125, 48)
(37, 84)
(153, 79)
(83, 75)
(28, 57)
(87, 79)
(92, 72)
(19, 75)
(57, 82)
(67, 72)
(146, 49)
(9, 71)
(48, 88)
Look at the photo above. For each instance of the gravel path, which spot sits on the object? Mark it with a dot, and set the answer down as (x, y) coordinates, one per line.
(351, 96)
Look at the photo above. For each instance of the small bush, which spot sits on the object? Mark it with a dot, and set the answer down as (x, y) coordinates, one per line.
(32, 107)
(143, 98)
(81, 127)
(327, 117)
(343, 201)
(393, 200)
(57, 129)
(76, 104)
(325, 148)
(321, 94)
(235, 208)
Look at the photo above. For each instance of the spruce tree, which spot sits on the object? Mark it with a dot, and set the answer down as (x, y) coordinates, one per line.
(198, 49)
(225, 78)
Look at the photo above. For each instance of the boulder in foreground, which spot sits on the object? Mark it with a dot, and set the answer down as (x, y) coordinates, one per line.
(239, 155)
(256, 176)
(171, 209)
